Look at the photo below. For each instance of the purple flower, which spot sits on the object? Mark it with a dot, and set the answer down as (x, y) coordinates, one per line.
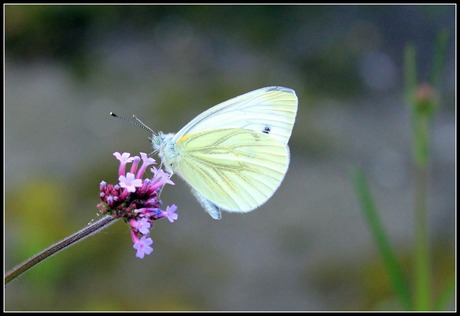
(129, 182)
(136, 200)
(160, 178)
(170, 213)
(136, 161)
(146, 161)
(143, 226)
(143, 247)
(124, 159)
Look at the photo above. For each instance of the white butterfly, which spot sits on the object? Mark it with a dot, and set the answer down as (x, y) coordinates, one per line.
(235, 154)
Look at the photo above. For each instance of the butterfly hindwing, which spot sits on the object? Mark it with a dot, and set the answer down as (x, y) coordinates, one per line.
(235, 169)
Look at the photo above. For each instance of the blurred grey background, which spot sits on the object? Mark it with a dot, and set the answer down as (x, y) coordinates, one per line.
(309, 247)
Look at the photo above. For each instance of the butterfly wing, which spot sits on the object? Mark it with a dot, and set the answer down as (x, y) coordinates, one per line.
(232, 169)
(270, 110)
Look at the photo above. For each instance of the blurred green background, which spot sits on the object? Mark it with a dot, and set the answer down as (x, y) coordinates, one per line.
(308, 248)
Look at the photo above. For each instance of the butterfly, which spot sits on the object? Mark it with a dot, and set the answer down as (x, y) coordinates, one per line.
(234, 155)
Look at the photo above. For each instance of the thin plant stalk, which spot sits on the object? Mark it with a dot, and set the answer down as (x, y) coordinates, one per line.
(422, 253)
(376, 228)
(423, 104)
(89, 230)
(420, 130)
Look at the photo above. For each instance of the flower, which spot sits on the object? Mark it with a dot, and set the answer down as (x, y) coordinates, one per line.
(124, 159)
(143, 247)
(160, 177)
(170, 213)
(136, 199)
(142, 225)
(130, 182)
(426, 100)
(147, 161)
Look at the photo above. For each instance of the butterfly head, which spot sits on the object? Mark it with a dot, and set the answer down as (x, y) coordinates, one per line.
(163, 144)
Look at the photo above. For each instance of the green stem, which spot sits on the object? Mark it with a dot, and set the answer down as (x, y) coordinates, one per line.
(89, 230)
(375, 225)
(410, 73)
(438, 61)
(422, 257)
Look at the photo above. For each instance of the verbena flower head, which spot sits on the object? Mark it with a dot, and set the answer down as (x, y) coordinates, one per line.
(136, 199)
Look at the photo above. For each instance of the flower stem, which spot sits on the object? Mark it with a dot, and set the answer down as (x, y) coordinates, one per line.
(422, 255)
(89, 230)
(423, 103)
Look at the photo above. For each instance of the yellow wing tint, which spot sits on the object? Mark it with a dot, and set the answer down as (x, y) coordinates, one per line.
(235, 169)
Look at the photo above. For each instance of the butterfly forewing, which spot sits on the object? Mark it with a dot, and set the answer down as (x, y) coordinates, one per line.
(236, 169)
(271, 110)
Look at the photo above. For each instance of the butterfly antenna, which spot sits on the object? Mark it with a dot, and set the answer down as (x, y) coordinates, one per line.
(139, 123)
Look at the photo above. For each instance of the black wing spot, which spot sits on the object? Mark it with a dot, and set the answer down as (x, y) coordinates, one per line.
(266, 130)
